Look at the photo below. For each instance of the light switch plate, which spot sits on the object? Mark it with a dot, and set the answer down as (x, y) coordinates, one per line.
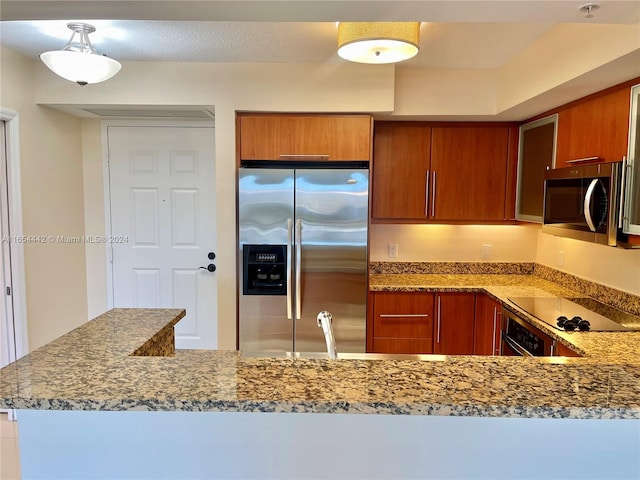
(392, 250)
(486, 251)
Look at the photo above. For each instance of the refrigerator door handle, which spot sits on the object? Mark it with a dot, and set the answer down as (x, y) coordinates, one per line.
(298, 268)
(289, 269)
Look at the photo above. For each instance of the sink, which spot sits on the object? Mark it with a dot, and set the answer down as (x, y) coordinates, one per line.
(344, 356)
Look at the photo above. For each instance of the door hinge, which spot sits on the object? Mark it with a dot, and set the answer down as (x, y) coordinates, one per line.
(8, 290)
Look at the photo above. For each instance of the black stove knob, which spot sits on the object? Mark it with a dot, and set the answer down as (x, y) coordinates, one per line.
(561, 321)
(584, 325)
(577, 319)
(570, 325)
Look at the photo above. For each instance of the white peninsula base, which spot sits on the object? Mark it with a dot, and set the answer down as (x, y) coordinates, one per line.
(140, 445)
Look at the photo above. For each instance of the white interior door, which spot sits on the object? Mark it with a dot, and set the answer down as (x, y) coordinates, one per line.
(7, 330)
(163, 215)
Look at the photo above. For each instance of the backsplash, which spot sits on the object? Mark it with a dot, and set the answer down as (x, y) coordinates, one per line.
(452, 268)
(609, 295)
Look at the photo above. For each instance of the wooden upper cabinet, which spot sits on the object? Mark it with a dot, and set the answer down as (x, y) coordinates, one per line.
(303, 137)
(596, 127)
(469, 173)
(401, 162)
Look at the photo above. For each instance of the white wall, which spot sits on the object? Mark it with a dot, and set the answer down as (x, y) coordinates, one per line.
(615, 267)
(52, 205)
(453, 243)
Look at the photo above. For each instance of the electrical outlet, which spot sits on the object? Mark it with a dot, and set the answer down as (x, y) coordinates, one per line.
(486, 251)
(561, 258)
(392, 250)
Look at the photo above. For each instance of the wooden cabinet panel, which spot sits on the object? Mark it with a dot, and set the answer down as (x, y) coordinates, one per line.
(596, 127)
(488, 326)
(305, 137)
(403, 345)
(402, 322)
(401, 161)
(455, 321)
(469, 172)
(432, 172)
(564, 351)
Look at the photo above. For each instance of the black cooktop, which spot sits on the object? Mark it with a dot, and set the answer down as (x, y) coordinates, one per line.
(577, 314)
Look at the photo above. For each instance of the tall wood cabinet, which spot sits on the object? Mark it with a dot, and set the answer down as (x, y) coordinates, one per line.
(300, 137)
(443, 173)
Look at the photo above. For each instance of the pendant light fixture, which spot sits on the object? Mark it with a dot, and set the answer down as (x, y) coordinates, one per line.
(378, 42)
(78, 61)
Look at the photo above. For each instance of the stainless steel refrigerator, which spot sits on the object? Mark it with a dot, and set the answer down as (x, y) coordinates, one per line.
(302, 249)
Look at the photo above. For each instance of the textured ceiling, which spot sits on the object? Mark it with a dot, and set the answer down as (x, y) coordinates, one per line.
(443, 45)
(455, 33)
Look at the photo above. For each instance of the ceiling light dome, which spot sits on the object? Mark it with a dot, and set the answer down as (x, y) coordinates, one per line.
(378, 42)
(78, 61)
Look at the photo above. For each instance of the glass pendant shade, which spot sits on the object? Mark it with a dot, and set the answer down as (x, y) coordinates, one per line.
(78, 61)
(378, 42)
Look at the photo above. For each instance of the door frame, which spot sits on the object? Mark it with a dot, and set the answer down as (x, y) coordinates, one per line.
(14, 188)
(105, 124)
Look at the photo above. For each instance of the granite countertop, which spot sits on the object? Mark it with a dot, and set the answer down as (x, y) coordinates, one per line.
(92, 368)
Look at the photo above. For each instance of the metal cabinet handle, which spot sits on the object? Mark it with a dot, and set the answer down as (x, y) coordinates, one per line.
(426, 196)
(493, 339)
(289, 269)
(433, 195)
(586, 159)
(302, 155)
(438, 320)
(496, 348)
(408, 315)
(587, 204)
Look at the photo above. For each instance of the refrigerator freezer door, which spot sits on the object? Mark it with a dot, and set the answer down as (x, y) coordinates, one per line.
(265, 203)
(332, 211)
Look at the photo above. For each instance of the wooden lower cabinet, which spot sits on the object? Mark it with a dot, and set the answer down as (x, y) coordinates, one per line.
(488, 326)
(454, 323)
(564, 351)
(402, 322)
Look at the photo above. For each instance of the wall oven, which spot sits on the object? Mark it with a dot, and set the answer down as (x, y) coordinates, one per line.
(519, 338)
(582, 202)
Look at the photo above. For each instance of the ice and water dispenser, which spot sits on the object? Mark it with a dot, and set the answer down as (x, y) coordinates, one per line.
(265, 268)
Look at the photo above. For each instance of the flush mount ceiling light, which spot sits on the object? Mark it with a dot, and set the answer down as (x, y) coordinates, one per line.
(378, 42)
(78, 61)
(588, 8)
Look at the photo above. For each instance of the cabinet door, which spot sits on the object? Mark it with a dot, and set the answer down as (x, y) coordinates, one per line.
(403, 322)
(597, 127)
(305, 137)
(400, 165)
(468, 173)
(455, 320)
(488, 326)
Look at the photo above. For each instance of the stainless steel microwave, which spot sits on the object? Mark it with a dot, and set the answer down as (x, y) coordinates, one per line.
(582, 202)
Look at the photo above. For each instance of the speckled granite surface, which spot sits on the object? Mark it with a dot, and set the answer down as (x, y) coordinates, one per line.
(91, 368)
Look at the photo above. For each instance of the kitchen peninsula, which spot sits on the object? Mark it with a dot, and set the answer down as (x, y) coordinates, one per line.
(132, 407)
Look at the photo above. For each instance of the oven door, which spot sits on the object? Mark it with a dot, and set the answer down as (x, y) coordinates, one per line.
(520, 338)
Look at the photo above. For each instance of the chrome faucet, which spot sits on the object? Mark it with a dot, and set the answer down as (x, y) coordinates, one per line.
(324, 320)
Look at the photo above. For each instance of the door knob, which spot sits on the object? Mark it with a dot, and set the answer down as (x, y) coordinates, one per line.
(211, 256)
(211, 267)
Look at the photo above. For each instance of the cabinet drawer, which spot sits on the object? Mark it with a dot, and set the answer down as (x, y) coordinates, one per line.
(402, 345)
(403, 315)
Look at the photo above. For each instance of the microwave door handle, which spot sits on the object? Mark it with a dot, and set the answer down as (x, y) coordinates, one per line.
(289, 269)
(587, 204)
